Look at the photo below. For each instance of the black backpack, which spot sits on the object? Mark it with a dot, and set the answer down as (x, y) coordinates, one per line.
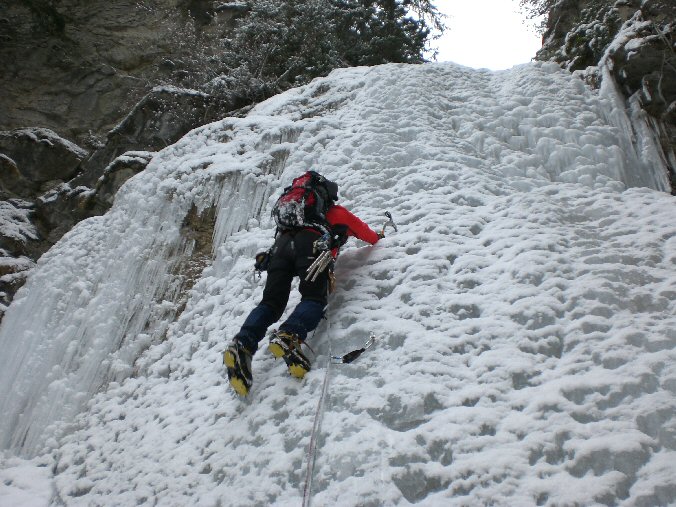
(305, 202)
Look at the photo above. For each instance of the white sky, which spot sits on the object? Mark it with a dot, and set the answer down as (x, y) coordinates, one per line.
(486, 34)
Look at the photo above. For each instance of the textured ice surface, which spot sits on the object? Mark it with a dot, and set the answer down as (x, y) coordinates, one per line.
(112, 286)
(525, 311)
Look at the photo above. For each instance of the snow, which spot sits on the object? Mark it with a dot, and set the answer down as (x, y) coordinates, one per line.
(15, 221)
(50, 138)
(25, 483)
(131, 157)
(524, 311)
(16, 230)
(179, 91)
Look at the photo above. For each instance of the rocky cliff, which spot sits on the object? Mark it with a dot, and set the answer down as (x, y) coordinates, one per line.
(78, 67)
(634, 41)
(90, 91)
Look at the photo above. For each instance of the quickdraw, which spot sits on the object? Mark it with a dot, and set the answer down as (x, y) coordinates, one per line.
(351, 356)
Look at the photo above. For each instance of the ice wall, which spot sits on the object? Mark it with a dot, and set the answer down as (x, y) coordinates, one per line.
(525, 309)
(112, 285)
(525, 314)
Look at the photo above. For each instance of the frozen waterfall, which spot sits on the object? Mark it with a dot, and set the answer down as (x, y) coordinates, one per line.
(524, 312)
(113, 285)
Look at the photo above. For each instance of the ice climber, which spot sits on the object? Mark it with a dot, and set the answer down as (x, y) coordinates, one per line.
(311, 228)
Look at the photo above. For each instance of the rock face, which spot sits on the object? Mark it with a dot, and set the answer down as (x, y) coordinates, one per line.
(33, 162)
(35, 156)
(18, 240)
(78, 67)
(159, 119)
(59, 184)
(636, 41)
(112, 77)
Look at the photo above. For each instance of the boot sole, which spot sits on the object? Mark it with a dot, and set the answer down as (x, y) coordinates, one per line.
(239, 386)
(295, 369)
(276, 350)
(236, 382)
(229, 359)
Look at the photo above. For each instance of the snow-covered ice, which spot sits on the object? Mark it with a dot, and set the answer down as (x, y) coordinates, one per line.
(525, 312)
(16, 230)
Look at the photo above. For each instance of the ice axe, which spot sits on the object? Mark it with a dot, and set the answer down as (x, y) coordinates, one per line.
(389, 222)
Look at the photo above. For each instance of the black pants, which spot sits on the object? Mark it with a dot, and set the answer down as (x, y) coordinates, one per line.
(291, 256)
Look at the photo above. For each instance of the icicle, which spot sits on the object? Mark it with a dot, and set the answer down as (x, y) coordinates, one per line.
(83, 317)
(639, 139)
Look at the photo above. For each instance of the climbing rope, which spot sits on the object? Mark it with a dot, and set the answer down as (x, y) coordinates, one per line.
(312, 447)
(319, 413)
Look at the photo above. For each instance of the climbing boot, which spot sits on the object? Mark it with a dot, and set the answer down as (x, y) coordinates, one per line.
(288, 346)
(237, 359)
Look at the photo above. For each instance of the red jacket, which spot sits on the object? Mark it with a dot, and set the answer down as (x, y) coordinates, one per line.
(355, 227)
